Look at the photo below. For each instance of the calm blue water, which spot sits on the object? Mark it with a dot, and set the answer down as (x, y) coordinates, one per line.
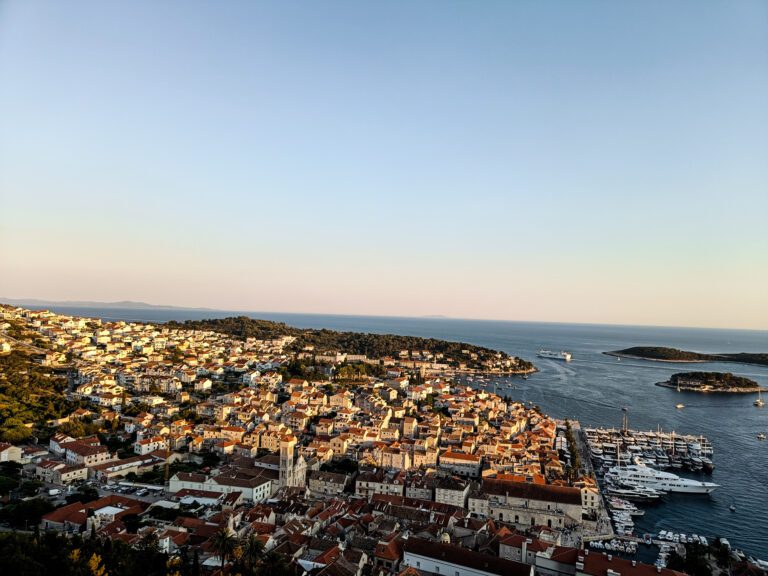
(594, 387)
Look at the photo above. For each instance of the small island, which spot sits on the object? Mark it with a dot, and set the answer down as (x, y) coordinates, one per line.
(663, 354)
(711, 382)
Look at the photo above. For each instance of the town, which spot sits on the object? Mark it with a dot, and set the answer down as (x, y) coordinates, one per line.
(199, 441)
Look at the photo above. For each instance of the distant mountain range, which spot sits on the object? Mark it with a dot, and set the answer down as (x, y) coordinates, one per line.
(129, 304)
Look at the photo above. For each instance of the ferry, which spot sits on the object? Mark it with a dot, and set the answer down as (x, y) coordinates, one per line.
(644, 476)
(562, 355)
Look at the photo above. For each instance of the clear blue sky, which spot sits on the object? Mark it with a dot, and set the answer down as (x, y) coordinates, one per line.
(564, 161)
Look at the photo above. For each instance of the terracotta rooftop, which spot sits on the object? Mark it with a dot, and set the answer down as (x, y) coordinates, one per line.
(540, 492)
(466, 558)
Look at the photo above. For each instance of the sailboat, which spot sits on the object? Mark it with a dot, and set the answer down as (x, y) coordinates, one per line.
(759, 402)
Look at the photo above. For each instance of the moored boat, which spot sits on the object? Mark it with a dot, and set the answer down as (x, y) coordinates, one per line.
(645, 476)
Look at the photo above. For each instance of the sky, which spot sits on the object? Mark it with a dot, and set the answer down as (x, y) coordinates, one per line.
(591, 161)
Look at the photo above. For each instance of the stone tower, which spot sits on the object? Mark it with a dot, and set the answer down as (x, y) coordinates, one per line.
(287, 447)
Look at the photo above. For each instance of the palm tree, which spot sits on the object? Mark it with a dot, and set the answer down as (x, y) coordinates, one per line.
(251, 555)
(224, 543)
(274, 564)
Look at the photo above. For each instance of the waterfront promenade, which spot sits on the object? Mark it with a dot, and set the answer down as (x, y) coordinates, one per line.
(603, 525)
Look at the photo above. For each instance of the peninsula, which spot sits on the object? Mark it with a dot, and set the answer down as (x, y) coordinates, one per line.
(413, 352)
(663, 354)
(711, 382)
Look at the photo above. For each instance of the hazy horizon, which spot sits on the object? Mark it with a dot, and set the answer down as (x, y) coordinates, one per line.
(591, 162)
(125, 304)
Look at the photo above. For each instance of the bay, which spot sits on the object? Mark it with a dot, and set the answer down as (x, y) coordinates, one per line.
(593, 388)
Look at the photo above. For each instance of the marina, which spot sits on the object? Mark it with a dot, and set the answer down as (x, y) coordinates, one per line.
(631, 467)
(656, 449)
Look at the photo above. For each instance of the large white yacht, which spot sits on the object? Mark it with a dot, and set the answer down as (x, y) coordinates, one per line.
(640, 475)
(555, 355)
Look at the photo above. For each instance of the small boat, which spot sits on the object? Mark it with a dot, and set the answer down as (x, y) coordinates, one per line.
(761, 436)
(679, 406)
(732, 508)
(759, 402)
(648, 539)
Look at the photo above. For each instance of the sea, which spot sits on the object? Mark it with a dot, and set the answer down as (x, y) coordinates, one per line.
(593, 388)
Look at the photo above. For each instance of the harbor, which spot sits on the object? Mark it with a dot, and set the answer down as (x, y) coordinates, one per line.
(631, 468)
(657, 449)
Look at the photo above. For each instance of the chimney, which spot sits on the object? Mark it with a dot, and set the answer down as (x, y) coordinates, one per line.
(610, 557)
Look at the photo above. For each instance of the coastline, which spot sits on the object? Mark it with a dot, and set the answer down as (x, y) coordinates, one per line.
(464, 373)
(633, 357)
(701, 390)
(681, 361)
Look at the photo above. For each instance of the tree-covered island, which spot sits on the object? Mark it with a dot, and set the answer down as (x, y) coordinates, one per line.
(711, 382)
(664, 354)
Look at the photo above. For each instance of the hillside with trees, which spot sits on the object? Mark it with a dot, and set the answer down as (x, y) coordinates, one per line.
(664, 354)
(371, 345)
(30, 395)
(49, 553)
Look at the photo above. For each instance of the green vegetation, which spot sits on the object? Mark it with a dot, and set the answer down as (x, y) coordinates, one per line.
(10, 477)
(30, 395)
(356, 371)
(79, 428)
(675, 355)
(343, 466)
(372, 345)
(299, 369)
(84, 494)
(25, 514)
(51, 553)
(712, 381)
(169, 514)
(45, 554)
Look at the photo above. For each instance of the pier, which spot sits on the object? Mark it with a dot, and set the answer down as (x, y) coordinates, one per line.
(656, 449)
(603, 525)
